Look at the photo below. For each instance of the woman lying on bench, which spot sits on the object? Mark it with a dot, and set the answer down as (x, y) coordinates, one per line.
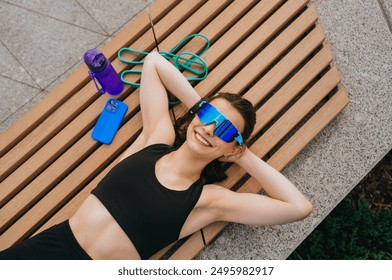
(158, 194)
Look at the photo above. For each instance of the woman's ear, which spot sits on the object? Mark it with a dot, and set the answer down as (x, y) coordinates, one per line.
(234, 154)
(236, 150)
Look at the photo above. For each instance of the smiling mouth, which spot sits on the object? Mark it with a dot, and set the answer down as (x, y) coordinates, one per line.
(202, 140)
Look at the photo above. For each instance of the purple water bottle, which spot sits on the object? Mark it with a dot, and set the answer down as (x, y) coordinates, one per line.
(102, 70)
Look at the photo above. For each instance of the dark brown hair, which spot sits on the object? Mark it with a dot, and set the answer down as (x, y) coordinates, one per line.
(214, 171)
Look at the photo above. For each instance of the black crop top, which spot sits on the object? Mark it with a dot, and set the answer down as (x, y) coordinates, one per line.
(150, 214)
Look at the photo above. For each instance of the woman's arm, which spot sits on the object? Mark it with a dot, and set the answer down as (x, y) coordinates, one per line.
(172, 79)
(159, 75)
(284, 203)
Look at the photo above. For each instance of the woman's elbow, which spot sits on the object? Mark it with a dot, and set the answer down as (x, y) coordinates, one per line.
(304, 210)
(308, 209)
(152, 57)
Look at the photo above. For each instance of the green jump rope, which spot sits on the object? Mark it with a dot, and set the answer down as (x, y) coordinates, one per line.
(182, 61)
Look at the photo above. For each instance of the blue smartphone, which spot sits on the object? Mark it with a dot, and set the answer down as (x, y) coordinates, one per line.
(109, 121)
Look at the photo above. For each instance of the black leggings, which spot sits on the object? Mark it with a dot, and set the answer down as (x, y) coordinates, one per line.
(55, 243)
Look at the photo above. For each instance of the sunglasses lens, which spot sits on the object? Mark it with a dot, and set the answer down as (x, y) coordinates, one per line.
(224, 129)
(207, 114)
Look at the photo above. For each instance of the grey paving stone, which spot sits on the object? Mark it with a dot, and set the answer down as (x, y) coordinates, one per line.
(63, 76)
(113, 14)
(73, 68)
(14, 95)
(69, 11)
(11, 68)
(21, 111)
(387, 7)
(44, 46)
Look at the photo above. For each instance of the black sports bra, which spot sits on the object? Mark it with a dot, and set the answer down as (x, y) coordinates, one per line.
(150, 214)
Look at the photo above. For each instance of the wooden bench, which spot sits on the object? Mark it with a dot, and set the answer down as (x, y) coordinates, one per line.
(272, 52)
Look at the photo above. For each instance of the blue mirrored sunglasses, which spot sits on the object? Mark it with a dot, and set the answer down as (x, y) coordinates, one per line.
(224, 129)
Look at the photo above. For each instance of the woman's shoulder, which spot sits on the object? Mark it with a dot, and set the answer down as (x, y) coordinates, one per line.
(211, 194)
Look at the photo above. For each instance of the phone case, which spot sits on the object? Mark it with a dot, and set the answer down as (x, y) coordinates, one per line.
(109, 121)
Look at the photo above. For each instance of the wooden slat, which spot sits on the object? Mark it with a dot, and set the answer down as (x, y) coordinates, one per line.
(222, 23)
(192, 247)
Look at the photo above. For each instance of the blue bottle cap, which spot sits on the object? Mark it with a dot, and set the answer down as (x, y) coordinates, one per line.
(95, 60)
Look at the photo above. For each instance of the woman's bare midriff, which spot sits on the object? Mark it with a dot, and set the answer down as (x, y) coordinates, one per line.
(99, 234)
